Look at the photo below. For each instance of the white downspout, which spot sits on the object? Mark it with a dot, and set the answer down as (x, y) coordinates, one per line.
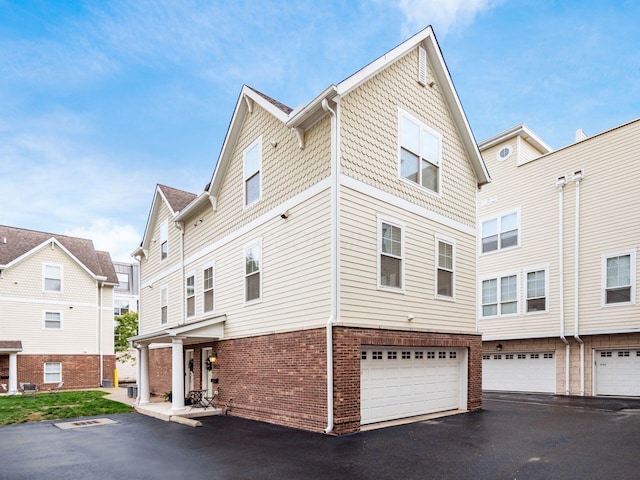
(183, 317)
(577, 177)
(100, 334)
(561, 182)
(335, 185)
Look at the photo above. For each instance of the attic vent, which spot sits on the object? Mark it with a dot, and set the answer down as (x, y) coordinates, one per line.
(504, 153)
(422, 66)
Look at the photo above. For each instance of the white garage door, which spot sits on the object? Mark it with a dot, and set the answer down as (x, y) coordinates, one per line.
(404, 382)
(618, 372)
(519, 372)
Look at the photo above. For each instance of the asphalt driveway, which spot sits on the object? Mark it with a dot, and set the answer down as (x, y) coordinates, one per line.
(514, 437)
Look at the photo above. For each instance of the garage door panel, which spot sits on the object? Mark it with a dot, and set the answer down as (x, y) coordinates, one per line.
(397, 383)
(618, 372)
(519, 372)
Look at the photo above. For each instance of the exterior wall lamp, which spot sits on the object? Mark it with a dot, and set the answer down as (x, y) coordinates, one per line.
(499, 347)
(212, 361)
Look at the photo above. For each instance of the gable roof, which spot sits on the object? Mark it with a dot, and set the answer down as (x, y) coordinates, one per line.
(18, 243)
(518, 131)
(305, 116)
(176, 199)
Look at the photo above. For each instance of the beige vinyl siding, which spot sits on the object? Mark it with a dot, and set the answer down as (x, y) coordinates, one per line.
(526, 151)
(24, 302)
(286, 171)
(608, 223)
(150, 318)
(362, 303)
(369, 139)
(153, 265)
(295, 274)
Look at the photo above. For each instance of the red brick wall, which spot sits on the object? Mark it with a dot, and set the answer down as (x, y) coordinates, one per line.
(78, 371)
(346, 356)
(282, 379)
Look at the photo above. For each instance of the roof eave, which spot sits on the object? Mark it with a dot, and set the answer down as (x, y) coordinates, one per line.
(199, 202)
(519, 130)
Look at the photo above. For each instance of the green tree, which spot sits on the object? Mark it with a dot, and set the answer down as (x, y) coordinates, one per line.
(126, 326)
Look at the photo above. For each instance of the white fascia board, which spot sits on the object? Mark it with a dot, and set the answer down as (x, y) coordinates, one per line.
(264, 103)
(152, 216)
(300, 116)
(519, 130)
(382, 62)
(46, 243)
(194, 206)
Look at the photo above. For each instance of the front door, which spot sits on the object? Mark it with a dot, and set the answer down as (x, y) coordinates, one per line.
(207, 374)
(188, 372)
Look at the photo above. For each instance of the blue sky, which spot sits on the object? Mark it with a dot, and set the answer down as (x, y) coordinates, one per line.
(100, 101)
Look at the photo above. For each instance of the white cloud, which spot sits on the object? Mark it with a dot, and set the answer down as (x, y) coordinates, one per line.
(443, 15)
(117, 239)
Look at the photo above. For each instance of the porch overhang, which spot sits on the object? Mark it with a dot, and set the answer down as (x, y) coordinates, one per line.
(190, 332)
(10, 346)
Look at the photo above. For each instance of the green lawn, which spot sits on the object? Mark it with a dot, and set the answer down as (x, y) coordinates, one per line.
(54, 406)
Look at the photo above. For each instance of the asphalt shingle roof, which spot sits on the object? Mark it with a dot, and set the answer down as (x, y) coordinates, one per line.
(178, 199)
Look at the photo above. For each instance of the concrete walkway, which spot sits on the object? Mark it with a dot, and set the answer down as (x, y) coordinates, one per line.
(159, 409)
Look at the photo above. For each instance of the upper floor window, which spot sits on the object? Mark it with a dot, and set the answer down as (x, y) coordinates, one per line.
(445, 268)
(537, 291)
(390, 254)
(52, 278)
(252, 167)
(53, 320)
(500, 296)
(120, 307)
(164, 239)
(207, 289)
(252, 272)
(500, 232)
(420, 152)
(619, 277)
(190, 287)
(164, 305)
(123, 279)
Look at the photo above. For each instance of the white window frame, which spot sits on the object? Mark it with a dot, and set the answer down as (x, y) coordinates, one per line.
(212, 289)
(121, 275)
(632, 277)
(402, 113)
(498, 218)
(58, 372)
(525, 289)
(499, 301)
(44, 320)
(260, 271)
(382, 219)
(119, 307)
(44, 277)
(187, 296)
(164, 239)
(442, 239)
(248, 174)
(164, 304)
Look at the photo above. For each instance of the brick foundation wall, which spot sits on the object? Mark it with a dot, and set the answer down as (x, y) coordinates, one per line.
(555, 344)
(281, 378)
(78, 371)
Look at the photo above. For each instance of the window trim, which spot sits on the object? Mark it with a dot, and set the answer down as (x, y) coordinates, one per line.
(632, 277)
(256, 143)
(423, 126)
(213, 288)
(44, 277)
(498, 217)
(437, 240)
(403, 261)
(186, 294)
(525, 280)
(44, 372)
(164, 239)
(499, 313)
(260, 270)
(44, 320)
(120, 287)
(121, 300)
(164, 289)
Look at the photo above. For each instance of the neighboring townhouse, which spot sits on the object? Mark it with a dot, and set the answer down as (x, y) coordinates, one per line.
(557, 266)
(126, 298)
(325, 277)
(56, 311)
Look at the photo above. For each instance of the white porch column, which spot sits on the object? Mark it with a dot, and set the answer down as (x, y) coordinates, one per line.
(13, 374)
(143, 377)
(177, 375)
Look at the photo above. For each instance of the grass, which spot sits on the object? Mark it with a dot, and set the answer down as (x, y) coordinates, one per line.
(55, 406)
